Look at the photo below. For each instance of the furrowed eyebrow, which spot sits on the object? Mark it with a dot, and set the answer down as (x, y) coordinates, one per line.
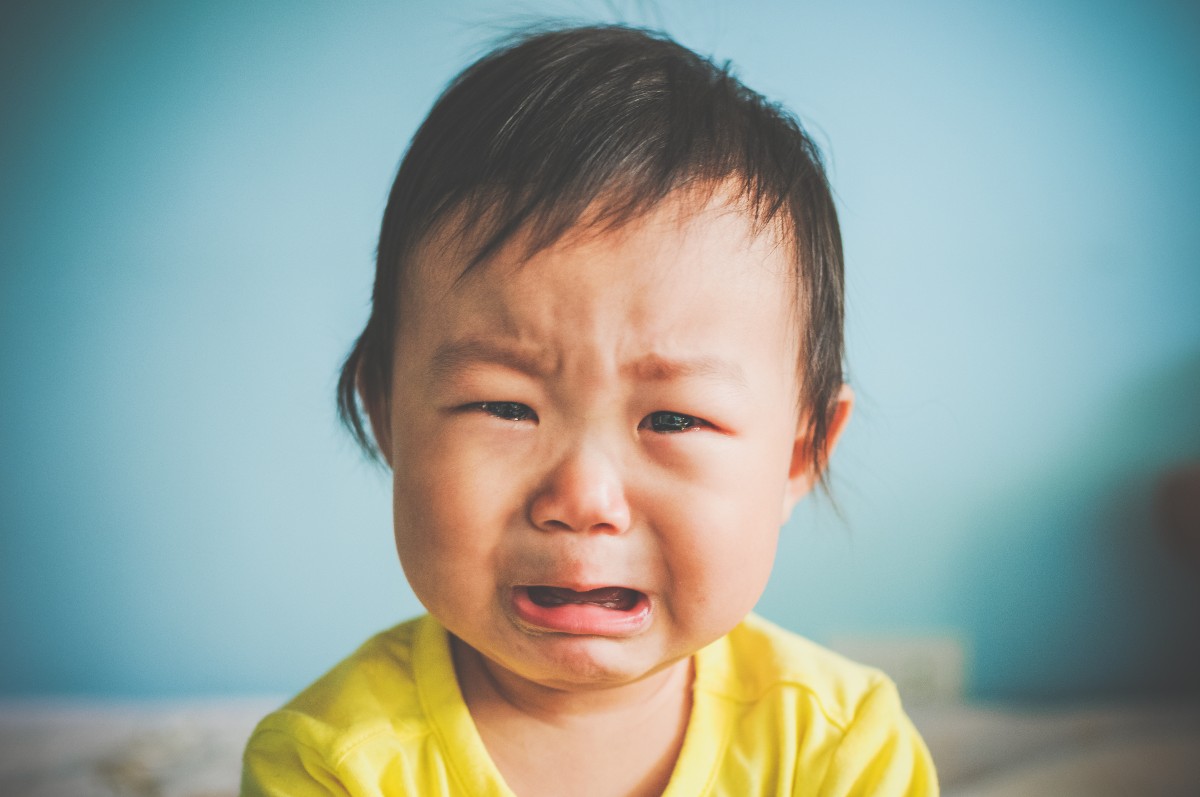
(460, 355)
(656, 368)
(455, 357)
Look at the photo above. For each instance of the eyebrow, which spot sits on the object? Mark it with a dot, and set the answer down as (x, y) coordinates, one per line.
(657, 368)
(460, 355)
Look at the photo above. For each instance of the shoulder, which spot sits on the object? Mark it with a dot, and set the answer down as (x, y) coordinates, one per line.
(371, 693)
(819, 723)
(758, 660)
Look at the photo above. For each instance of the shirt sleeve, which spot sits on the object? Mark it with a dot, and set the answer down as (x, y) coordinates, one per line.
(881, 754)
(276, 765)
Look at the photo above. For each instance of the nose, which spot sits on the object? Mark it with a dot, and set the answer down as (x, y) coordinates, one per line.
(583, 492)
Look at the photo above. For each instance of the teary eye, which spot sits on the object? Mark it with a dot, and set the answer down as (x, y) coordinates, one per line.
(507, 410)
(668, 422)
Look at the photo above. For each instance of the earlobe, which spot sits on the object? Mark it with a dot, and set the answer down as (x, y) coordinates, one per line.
(804, 470)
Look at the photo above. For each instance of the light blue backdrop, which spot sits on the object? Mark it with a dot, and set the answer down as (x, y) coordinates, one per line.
(191, 194)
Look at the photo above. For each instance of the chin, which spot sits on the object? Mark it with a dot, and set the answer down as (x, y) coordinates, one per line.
(590, 664)
(557, 662)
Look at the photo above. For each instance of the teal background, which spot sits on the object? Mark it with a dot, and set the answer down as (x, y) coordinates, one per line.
(190, 199)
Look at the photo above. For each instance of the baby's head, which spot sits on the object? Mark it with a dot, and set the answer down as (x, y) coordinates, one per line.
(604, 354)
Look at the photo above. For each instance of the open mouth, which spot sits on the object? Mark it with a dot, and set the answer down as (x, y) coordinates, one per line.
(618, 598)
(605, 611)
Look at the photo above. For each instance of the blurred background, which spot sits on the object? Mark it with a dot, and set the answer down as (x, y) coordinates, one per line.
(191, 195)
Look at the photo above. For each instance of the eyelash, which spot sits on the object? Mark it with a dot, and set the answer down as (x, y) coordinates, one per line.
(515, 411)
(506, 410)
(686, 423)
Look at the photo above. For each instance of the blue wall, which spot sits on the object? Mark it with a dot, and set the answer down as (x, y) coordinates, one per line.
(189, 203)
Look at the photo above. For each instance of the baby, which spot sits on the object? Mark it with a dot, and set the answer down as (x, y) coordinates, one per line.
(603, 363)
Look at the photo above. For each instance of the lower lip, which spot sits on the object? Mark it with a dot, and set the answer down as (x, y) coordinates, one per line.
(585, 619)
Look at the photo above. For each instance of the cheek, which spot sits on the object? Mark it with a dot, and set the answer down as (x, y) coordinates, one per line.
(426, 511)
(716, 578)
(719, 537)
(450, 512)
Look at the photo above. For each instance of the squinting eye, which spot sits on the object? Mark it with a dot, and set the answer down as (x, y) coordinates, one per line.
(507, 410)
(670, 422)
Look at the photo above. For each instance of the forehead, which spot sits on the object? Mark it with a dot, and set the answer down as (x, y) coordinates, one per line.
(694, 226)
(683, 283)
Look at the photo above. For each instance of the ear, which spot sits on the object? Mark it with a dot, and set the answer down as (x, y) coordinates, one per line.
(378, 409)
(803, 472)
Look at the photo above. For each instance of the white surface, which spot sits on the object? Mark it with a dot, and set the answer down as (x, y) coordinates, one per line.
(193, 749)
(1139, 750)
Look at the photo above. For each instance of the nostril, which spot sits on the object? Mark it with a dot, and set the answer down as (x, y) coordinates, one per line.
(595, 520)
(583, 493)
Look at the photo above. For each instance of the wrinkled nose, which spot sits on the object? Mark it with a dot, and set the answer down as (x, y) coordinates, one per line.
(584, 492)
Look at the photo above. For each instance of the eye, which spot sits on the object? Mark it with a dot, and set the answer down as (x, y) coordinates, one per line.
(670, 422)
(507, 410)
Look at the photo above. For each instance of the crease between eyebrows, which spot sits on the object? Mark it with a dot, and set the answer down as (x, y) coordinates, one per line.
(458, 356)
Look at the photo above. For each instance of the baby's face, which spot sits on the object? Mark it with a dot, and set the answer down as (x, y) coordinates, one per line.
(594, 449)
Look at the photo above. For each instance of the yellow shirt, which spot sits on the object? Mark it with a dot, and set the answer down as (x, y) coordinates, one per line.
(772, 714)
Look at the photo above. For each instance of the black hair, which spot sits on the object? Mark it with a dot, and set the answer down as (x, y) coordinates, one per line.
(556, 122)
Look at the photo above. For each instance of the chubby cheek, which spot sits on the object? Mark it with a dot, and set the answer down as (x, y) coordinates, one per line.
(718, 578)
(448, 525)
(718, 537)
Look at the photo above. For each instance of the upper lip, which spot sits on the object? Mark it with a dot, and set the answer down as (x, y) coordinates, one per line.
(580, 587)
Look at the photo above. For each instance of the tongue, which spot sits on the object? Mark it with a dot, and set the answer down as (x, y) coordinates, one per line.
(608, 597)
